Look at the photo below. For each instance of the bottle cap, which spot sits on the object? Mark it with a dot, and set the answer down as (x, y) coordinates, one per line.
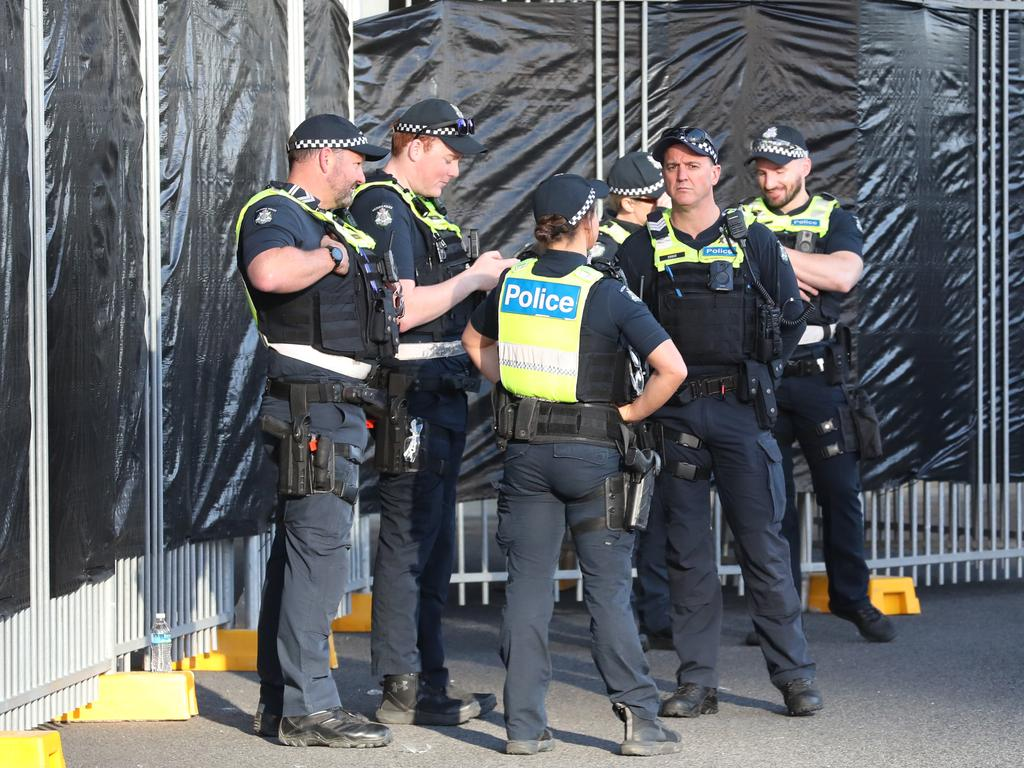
(160, 616)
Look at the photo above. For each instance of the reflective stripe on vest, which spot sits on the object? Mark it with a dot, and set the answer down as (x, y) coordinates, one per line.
(669, 249)
(429, 215)
(814, 218)
(539, 325)
(354, 237)
(615, 231)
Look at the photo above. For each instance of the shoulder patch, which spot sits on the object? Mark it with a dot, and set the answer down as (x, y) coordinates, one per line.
(382, 215)
(265, 215)
(856, 223)
(782, 253)
(629, 294)
(598, 250)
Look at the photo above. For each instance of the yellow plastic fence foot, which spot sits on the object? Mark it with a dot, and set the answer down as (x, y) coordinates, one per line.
(139, 696)
(31, 749)
(359, 618)
(894, 595)
(890, 594)
(236, 652)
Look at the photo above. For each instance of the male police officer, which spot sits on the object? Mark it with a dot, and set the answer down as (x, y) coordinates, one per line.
(303, 269)
(729, 300)
(555, 334)
(635, 189)
(817, 405)
(400, 207)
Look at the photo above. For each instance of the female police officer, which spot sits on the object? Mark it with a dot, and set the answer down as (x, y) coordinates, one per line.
(554, 333)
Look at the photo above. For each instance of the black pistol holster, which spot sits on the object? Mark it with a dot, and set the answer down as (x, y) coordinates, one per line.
(398, 437)
(756, 385)
(308, 461)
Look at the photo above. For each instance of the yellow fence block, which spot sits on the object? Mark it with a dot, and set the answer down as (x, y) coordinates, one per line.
(139, 696)
(892, 595)
(31, 749)
(236, 652)
(359, 618)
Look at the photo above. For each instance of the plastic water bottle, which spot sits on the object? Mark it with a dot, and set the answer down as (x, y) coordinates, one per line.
(160, 645)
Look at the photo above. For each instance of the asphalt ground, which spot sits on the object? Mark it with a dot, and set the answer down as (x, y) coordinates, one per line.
(946, 692)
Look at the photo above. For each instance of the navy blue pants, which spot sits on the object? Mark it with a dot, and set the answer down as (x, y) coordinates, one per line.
(651, 598)
(545, 488)
(306, 577)
(804, 403)
(747, 466)
(413, 568)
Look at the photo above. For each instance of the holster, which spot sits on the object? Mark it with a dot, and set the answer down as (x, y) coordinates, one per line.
(757, 386)
(839, 357)
(308, 464)
(642, 467)
(398, 438)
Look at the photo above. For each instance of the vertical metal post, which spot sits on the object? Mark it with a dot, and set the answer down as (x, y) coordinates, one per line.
(296, 24)
(622, 77)
(643, 76)
(598, 102)
(1005, 484)
(993, 369)
(979, 267)
(352, 67)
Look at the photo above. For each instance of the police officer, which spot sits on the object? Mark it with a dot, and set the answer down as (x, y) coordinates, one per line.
(729, 300)
(816, 395)
(400, 207)
(635, 189)
(303, 268)
(554, 334)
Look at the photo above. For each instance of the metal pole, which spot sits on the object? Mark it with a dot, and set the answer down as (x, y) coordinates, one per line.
(643, 76)
(352, 68)
(979, 268)
(622, 77)
(1005, 486)
(992, 285)
(296, 63)
(598, 101)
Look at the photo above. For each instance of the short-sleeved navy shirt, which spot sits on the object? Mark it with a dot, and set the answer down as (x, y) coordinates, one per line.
(611, 311)
(767, 259)
(276, 222)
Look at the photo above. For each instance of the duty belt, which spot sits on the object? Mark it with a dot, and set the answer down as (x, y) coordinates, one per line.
(328, 392)
(693, 389)
(542, 421)
(346, 366)
(809, 367)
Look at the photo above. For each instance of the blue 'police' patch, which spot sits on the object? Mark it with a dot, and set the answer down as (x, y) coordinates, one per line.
(534, 297)
(717, 252)
(806, 222)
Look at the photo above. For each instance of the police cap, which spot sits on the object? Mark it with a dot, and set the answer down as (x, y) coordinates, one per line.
(779, 144)
(437, 117)
(636, 174)
(695, 139)
(334, 132)
(567, 195)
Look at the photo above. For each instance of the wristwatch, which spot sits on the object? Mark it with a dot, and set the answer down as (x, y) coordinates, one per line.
(337, 254)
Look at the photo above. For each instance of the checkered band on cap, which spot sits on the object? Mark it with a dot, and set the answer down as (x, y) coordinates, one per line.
(426, 130)
(650, 189)
(706, 146)
(779, 147)
(359, 141)
(591, 196)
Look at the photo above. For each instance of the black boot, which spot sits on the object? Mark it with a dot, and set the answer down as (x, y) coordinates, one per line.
(690, 700)
(646, 737)
(486, 701)
(545, 743)
(406, 702)
(801, 697)
(332, 728)
(871, 623)
(265, 723)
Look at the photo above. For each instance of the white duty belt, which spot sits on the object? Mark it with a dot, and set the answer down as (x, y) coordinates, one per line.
(429, 350)
(346, 366)
(816, 333)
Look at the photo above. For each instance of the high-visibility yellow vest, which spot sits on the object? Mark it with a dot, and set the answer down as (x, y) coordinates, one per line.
(615, 231)
(539, 323)
(670, 250)
(814, 218)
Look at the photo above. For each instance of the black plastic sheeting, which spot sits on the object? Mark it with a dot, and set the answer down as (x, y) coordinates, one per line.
(96, 309)
(15, 260)
(224, 124)
(877, 86)
(327, 41)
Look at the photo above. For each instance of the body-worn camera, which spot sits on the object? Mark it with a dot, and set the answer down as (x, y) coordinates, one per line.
(720, 276)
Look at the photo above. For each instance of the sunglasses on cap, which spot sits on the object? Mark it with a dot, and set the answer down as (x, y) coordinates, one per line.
(464, 126)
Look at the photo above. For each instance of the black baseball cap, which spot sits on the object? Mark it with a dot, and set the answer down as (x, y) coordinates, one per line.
(636, 174)
(779, 144)
(335, 132)
(437, 117)
(695, 139)
(567, 195)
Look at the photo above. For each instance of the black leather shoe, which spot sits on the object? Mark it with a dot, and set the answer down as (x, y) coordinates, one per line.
(332, 728)
(545, 743)
(646, 737)
(752, 639)
(486, 701)
(690, 700)
(872, 624)
(801, 697)
(406, 702)
(265, 723)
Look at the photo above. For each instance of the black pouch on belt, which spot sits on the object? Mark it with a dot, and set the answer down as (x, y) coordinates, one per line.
(865, 422)
(838, 357)
(757, 386)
